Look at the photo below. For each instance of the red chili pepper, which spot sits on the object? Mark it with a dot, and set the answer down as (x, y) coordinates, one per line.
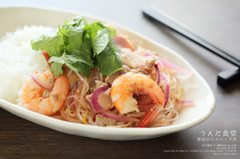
(46, 56)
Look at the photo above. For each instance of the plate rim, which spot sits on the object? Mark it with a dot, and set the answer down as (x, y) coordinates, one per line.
(111, 130)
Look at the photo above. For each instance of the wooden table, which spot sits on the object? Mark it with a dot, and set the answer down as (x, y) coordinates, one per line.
(218, 21)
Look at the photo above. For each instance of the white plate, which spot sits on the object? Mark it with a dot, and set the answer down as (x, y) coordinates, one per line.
(11, 17)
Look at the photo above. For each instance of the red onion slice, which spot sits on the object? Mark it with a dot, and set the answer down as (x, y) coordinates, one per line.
(114, 116)
(49, 89)
(157, 80)
(98, 99)
(173, 67)
(187, 103)
(166, 91)
(148, 54)
(170, 65)
(166, 95)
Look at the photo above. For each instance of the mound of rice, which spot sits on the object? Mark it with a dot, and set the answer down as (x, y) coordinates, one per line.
(18, 61)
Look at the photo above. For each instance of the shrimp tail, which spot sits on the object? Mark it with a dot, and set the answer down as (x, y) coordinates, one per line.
(149, 116)
(154, 94)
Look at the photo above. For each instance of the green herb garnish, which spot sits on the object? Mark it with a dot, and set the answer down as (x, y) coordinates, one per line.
(80, 47)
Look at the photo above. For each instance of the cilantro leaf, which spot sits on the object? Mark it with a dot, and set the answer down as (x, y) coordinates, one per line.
(51, 42)
(80, 47)
(64, 32)
(81, 56)
(109, 62)
(99, 38)
(57, 62)
(76, 21)
(85, 69)
(74, 39)
(111, 31)
(78, 63)
(79, 67)
(86, 38)
(56, 68)
(113, 45)
(95, 62)
(57, 59)
(37, 44)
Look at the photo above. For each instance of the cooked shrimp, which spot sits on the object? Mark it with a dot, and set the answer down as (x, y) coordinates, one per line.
(125, 43)
(124, 86)
(47, 99)
(122, 95)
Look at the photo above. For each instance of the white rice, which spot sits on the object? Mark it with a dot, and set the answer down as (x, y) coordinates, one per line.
(18, 61)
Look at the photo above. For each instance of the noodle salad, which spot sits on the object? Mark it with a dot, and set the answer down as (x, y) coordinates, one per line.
(96, 76)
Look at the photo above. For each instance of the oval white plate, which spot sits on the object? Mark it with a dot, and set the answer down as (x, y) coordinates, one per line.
(203, 96)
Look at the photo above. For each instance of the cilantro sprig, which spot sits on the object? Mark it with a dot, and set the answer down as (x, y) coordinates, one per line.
(80, 47)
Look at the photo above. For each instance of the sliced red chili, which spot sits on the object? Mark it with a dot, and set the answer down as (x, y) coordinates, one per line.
(46, 56)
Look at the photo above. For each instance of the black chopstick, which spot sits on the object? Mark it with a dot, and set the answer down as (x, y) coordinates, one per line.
(176, 26)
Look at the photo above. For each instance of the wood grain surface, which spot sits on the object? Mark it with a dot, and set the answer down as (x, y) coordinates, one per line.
(218, 21)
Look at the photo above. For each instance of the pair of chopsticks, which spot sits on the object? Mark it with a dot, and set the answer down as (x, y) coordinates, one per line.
(225, 78)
